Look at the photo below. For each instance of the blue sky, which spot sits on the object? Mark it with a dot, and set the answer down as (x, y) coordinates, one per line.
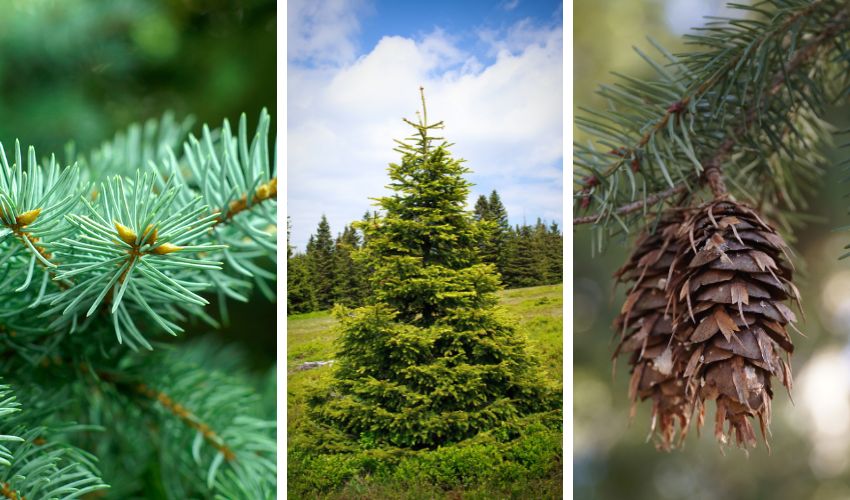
(460, 18)
(492, 70)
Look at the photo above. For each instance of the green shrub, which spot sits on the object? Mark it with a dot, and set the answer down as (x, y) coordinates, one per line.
(488, 461)
(451, 466)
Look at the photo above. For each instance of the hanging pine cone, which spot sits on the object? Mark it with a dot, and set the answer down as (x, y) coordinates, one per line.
(657, 361)
(727, 297)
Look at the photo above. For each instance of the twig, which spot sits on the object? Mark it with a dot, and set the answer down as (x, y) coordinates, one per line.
(267, 191)
(712, 174)
(633, 206)
(704, 87)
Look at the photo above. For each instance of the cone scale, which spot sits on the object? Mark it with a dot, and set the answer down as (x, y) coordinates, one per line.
(646, 332)
(705, 319)
(728, 300)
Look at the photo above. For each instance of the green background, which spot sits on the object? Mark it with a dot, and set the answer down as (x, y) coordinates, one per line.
(810, 444)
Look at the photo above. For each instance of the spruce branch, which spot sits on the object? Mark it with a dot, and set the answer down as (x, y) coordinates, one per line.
(701, 88)
(264, 192)
(208, 418)
(133, 231)
(237, 181)
(719, 153)
(205, 406)
(134, 148)
(188, 418)
(33, 467)
(93, 258)
(132, 259)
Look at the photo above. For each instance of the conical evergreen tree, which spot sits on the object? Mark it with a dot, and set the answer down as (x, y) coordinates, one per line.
(500, 232)
(482, 208)
(540, 242)
(488, 246)
(523, 259)
(320, 254)
(555, 254)
(432, 359)
(498, 212)
(300, 295)
(349, 274)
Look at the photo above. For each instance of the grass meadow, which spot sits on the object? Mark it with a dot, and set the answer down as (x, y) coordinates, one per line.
(522, 459)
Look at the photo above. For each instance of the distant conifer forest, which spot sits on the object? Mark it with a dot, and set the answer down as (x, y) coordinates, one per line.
(329, 272)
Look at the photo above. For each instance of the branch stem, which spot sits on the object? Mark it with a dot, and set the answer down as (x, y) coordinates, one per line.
(267, 191)
(701, 89)
(712, 174)
(633, 206)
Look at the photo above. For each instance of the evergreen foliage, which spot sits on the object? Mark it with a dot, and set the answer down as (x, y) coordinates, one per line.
(553, 250)
(320, 253)
(521, 458)
(493, 214)
(103, 261)
(748, 98)
(523, 256)
(350, 279)
(34, 460)
(526, 260)
(482, 208)
(300, 294)
(431, 359)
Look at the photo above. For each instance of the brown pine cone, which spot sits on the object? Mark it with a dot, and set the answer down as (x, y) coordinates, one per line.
(727, 298)
(657, 358)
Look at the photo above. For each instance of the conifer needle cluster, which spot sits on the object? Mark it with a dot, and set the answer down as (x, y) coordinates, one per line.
(105, 257)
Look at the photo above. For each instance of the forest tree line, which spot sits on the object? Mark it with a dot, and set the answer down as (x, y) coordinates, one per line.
(329, 272)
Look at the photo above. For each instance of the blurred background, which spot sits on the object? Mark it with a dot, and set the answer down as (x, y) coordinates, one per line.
(810, 442)
(81, 70)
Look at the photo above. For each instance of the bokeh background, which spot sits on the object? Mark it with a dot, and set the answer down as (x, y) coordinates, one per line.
(81, 70)
(810, 442)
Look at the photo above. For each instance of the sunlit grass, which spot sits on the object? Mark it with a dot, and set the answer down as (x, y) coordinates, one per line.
(310, 337)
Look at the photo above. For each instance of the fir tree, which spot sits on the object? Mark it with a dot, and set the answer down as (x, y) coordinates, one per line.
(487, 248)
(350, 287)
(494, 248)
(554, 250)
(540, 249)
(524, 259)
(320, 254)
(482, 208)
(432, 359)
(103, 262)
(300, 294)
(499, 216)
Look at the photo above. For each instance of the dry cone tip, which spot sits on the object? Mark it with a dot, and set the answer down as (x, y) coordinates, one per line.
(728, 292)
(646, 332)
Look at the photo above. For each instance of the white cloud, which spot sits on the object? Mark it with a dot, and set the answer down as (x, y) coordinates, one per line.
(510, 5)
(322, 31)
(505, 118)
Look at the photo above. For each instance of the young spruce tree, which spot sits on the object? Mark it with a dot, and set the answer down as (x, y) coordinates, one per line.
(432, 359)
(320, 255)
(350, 286)
(494, 218)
